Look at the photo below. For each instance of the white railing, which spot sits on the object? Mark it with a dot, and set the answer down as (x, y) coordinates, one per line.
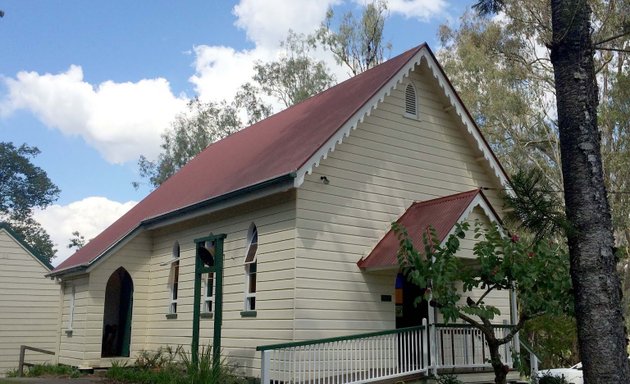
(377, 356)
(353, 359)
(462, 346)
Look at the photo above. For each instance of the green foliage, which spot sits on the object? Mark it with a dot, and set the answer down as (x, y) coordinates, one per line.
(537, 270)
(547, 379)
(23, 188)
(77, 241)
(554, 339)
(39, 370)
(190, 133)
(449, 379)
(206, 371)
(296, 76)
(291, 79)
(357, 42)
(170, 365)
(163, 357)
(534, 207)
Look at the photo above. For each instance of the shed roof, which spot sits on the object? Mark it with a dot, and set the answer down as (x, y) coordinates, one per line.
(442, 214)
(286, 145)
(20, 240)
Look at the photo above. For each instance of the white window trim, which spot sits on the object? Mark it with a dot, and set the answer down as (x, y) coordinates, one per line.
(73, 296)
(208, 298)
(174, 265)
(172, 306)
(250, 295)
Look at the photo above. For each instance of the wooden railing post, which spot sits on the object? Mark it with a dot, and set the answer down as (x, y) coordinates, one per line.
(23, 349)
(21, 366)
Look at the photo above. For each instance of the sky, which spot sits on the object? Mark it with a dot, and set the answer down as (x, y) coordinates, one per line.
(94, 84)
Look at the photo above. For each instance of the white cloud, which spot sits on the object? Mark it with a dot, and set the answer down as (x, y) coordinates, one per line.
(89, 216)
(220, 71)
(420, 9)
(120, 120)
(266, 22)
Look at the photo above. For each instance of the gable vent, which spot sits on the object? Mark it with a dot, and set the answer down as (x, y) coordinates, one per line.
(410, 100)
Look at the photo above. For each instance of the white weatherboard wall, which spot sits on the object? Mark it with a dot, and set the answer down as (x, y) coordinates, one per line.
(29, 305)
(385, 164)
(146, 259)
(275, 219)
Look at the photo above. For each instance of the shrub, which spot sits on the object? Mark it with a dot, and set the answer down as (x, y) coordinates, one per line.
(174, 366)
(547, 379)
(449, 379)
(205, 371)
(47, 370)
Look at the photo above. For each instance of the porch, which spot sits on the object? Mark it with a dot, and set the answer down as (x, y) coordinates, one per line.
(388, 356)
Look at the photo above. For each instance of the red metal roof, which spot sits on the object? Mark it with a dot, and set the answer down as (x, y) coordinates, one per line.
(441, 213)
(274, 147)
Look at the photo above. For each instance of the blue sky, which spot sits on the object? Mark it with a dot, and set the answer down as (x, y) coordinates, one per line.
(93, 84)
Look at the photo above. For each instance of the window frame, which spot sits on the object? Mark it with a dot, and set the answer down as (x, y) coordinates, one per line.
(174, 279)
(72, 306)
(251, 270)
(208, 298)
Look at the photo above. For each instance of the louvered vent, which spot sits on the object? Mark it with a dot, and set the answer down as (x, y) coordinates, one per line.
(410, 100)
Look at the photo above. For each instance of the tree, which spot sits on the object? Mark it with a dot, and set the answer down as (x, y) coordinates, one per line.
(601, 333)
(357, 43)
(24, 187)
(289, 80)
(190, 133)
(296, 76)
(77, 240)
(537, 270)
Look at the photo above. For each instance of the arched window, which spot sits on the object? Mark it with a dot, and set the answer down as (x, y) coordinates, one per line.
(411, 102)
(174, 278)
(250, 268)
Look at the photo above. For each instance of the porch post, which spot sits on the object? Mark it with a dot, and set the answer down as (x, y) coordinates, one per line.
(514, 319)
(432, 339)
(264, 367)
(425, 344)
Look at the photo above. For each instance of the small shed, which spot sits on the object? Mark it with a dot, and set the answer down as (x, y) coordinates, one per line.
(29, 302)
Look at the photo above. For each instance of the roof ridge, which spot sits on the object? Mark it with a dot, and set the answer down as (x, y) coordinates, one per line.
(459, 195)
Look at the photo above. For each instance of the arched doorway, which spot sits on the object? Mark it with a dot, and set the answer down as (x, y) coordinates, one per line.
(117, 314)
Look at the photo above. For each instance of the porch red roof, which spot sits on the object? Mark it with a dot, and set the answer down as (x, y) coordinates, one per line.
(272, 148)
(441, 213)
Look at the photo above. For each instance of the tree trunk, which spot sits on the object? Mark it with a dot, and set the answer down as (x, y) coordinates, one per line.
(500, 370)
(600, 323)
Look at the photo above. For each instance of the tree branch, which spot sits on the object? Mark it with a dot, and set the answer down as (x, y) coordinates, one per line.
(521, 323)
(624, 33)
(484, 295)
(613, 49)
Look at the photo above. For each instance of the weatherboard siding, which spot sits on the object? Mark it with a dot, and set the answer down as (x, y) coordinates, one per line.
(71, 346)
(275, 220)
(387, 163)
(28, 305)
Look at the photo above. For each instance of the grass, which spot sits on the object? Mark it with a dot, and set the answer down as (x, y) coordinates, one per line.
(174, 366)
(167, 365)
(39, 370)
